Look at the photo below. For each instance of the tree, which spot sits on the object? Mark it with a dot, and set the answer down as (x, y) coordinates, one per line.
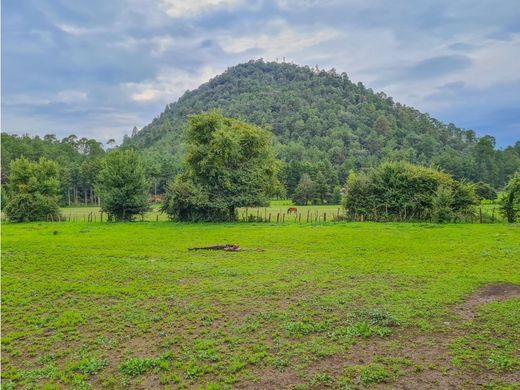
(230, 164)
(122, 185)
(305, 191)
(510, 199)
(33, 191)
(322, 188)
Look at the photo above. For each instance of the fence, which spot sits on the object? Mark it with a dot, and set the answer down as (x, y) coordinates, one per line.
(305, 214)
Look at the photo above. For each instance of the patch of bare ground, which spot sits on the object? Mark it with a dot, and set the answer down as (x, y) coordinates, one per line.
(428, 354)
(486, 294)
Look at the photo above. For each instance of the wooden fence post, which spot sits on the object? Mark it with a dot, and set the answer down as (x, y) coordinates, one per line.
(480, 211)
(283, 217)
(277, 217)
(299, 217)
(325, 217)
(308, 212)
(269, 217)
(493, 216)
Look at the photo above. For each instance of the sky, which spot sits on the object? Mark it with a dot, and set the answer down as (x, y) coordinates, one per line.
(98, 68)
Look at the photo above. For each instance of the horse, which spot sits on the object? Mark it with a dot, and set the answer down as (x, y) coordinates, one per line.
(291, 210)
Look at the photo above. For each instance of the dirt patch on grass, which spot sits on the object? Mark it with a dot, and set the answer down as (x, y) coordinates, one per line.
(486, 294)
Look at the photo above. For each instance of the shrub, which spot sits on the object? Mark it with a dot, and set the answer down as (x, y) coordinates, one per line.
(442, 203)
(33, 190)
(510, 199)
(403, 191)
(485, 191)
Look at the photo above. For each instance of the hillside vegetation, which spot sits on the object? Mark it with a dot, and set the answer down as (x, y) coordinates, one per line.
(324, 122)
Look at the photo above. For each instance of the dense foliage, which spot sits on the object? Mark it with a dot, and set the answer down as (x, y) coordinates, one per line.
(230, 164)
(510, 200)
(485, 191)
(402, 191)
(324, 123)
(33, 191)
(122, 185)
(78, 162)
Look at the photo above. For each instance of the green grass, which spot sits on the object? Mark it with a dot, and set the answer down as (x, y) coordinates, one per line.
(323, 305)
(277, 209)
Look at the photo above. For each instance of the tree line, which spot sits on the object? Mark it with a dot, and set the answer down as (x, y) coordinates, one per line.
(230, 164)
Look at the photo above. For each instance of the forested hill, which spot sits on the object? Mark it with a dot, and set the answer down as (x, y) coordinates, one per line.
(325, 123)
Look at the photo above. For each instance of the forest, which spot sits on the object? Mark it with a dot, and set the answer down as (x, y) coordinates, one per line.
(323, 122)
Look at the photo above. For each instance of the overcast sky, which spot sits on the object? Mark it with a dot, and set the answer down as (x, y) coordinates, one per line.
(97, 68)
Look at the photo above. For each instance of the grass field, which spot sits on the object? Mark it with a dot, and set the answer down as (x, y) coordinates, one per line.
(344, 305)
(81, 213)
(277, 208)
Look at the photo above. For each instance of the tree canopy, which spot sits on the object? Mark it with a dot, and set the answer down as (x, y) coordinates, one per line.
(122, 185)
(229, 164)
(33, 190)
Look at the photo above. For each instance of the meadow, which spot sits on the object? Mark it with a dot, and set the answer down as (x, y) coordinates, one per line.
(310, 306)
(277, 209)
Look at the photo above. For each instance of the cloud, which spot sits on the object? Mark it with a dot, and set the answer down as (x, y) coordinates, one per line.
(280, 40)
(168, 85)
(105, 66)
(77, 30)
(186, 8)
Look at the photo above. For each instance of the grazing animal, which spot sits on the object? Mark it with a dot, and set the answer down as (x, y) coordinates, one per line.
(291, 210)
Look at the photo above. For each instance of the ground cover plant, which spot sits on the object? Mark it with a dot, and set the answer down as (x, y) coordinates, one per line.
(340, 305)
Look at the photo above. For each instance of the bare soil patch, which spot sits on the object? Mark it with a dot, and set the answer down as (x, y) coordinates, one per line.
(486, 294)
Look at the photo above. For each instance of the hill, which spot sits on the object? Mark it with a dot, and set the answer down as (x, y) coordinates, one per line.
(323, 122)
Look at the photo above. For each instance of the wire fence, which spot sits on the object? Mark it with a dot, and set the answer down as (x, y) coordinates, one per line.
(278, 215)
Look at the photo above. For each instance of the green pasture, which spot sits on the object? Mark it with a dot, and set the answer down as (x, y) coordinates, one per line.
(339, 305)
(277, 209)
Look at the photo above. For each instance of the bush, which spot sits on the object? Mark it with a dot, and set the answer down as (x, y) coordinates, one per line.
(33, 191)
(442, 203)
(485, 192)
(402, 191)
(510, 199)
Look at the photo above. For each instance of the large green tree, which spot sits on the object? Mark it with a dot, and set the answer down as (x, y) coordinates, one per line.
(122, 185)
(33, 190)
(229, 164)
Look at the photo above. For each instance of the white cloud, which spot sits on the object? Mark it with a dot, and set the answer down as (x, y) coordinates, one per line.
(168, 85)
(77, 30)
(190, 8)
(70, 96)
(279, 41)
(157, 44)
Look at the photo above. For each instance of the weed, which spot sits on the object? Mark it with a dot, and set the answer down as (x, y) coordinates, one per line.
(373, 373)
